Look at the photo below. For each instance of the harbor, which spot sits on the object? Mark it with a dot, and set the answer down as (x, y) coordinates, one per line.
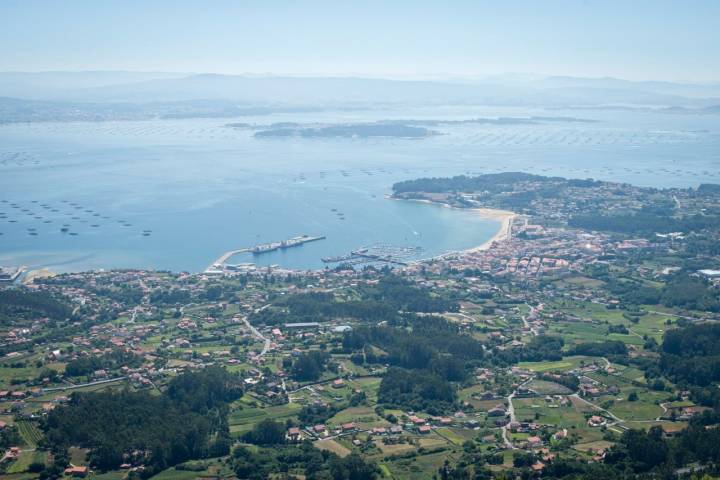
(218, 266)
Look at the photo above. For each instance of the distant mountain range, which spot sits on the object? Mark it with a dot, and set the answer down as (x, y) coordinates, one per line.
(120, 89)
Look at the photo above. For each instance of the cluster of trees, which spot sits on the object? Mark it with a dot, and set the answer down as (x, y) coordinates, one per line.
(691, 355)
(540, 348)
(416, 390)
(401, 294)
(642, 451)
(608, 348)
(378, 302)
(188, 420)
(266, 432)
(644, 223)
(681, 290)
(426, 341)
(317, 414)
(304, 459)
(171, 296)
(566, 380)
(691, 292)
(321, 307)
(309, 366)
(109, 361)
(23, 304)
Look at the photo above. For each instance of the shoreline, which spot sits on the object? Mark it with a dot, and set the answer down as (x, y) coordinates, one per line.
(505, 217)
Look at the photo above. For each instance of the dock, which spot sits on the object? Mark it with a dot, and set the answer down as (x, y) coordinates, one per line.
(289, 243)
(388, 254)
(218, 266)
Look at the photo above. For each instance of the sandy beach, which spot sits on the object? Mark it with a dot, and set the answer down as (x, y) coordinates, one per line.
(505, 217)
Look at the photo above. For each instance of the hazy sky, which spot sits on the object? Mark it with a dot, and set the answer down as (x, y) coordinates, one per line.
(634, 39)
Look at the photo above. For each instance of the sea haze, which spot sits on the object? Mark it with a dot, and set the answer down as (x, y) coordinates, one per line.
(175, 194)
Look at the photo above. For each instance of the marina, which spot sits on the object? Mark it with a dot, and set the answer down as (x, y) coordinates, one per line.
(376, 254)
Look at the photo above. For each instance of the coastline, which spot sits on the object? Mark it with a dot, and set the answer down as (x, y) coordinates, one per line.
(505, 217)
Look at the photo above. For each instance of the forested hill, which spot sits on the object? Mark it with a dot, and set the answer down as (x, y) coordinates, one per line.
(491, 182)
(586, 204)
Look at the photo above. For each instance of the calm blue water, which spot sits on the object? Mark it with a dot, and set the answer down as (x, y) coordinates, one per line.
(202, 189)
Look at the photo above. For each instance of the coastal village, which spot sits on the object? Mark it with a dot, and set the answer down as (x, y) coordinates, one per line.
(556, 307)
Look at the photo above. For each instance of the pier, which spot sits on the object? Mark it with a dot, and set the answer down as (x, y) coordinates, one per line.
(389, 254)
(218, 265)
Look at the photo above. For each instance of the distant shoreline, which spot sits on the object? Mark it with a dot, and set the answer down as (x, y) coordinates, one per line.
(505, 218)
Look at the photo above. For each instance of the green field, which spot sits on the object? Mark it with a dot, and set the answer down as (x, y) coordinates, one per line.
(242, 420)
(567, 363)
(29, 432)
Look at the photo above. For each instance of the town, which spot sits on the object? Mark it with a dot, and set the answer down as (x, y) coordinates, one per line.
(564, 345)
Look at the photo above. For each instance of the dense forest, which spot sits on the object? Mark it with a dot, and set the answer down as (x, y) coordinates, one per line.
(188, 420)
(379, 302)
(426, 340)
(19, 304)
(272, 461)
(419, 390)
(691, 355)
(644, 223)
(309, 366)
(492, 182)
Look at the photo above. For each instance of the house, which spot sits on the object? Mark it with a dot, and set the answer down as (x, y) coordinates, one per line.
(76, 471)
(498, 411)
(425, 429)
(596, 421)
(346, 427)
(11, 454)
(293, 434)
(338, 383)
(379, 431)
(534, 442)
(416, 420)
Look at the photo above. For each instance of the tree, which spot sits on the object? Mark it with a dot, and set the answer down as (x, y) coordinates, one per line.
(352, 467)
(267, 432)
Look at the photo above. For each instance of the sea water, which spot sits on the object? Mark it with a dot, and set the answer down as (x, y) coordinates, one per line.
(176, 194)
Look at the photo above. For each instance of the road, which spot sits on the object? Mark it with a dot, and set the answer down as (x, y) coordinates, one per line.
(257, 334)
(616, 420)
(533, 310)
(72, 387)
(511, 411)
(220, 262)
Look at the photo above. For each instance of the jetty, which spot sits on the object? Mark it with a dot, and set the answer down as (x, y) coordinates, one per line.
(218, 266)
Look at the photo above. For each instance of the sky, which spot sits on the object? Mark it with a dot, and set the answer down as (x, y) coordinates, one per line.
(631, 39)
